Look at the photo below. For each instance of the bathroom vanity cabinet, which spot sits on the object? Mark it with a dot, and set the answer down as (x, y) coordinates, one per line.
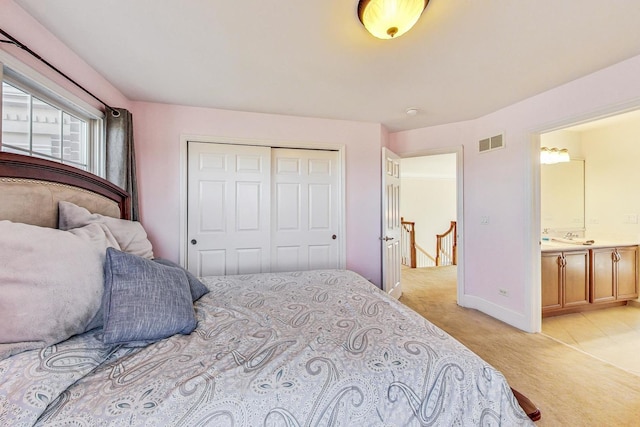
(576, 279)
(614, 274)
(565, 280)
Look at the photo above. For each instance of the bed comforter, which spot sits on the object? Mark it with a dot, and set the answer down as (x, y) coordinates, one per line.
(315, 348)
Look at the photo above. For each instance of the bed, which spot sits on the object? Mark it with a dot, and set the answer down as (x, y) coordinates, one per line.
(321, 348)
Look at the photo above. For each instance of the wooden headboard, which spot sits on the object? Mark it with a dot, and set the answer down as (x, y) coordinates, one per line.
(18, 169)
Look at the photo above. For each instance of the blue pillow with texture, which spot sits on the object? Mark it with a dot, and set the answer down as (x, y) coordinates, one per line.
(144, 300)
(197, 288)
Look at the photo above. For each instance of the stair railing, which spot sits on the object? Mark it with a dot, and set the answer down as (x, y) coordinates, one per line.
(412, 254)
(447, 246)
(408, 243)
(424, 259)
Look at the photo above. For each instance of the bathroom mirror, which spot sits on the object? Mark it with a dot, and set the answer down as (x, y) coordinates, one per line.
(562, 195)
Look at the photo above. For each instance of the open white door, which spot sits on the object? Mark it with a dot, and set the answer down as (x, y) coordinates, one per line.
(391, 256)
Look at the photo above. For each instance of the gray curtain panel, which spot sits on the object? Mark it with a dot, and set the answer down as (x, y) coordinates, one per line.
(120, 155)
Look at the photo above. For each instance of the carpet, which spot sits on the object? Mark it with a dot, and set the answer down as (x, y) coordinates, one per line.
(569, 387)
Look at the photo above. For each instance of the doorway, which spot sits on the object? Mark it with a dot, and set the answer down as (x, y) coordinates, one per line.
(608, 150)
(431, 198)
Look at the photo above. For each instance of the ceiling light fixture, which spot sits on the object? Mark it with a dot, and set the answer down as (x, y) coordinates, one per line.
(388, 19)
(549, 156)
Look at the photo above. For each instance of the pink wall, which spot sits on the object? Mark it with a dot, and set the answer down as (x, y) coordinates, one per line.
(502, 185)
(158, 131)
(15, 21)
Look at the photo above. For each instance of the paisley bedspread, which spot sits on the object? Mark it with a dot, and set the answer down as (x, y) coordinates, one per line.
(318, 348)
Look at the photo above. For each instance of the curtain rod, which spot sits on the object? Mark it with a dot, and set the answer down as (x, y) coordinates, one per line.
(12, 40)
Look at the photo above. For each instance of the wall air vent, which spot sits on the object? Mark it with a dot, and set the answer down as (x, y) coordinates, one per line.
(491, 143)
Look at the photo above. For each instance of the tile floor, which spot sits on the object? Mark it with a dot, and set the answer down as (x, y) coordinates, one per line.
(611, 334)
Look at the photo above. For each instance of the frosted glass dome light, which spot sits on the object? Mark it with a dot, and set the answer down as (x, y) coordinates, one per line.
(387, 19)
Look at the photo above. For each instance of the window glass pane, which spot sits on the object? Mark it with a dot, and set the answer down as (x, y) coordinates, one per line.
(10, 149)
(36, 122)
(15, 117)
(47, 129)
(74, 140)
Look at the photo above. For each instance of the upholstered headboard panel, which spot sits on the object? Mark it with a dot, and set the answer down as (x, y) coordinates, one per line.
(36, 202)
(31, 188)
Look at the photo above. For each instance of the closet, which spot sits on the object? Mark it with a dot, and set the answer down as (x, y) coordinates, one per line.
(254, 209)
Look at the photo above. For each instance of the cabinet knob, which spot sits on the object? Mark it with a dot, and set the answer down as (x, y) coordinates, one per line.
(194, 241)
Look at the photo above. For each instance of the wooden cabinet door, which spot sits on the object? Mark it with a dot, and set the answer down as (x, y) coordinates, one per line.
(603, 287)
(551, 281)
(576, 278)
(627, 273)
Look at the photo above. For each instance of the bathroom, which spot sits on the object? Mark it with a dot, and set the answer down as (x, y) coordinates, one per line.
(610, 151)
(590, 210)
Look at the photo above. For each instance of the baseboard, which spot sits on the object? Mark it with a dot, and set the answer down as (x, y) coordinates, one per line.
(634, 303)
(510, 317)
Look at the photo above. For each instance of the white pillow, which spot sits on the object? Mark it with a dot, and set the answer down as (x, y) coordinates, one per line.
(130, 235)
(51, 283)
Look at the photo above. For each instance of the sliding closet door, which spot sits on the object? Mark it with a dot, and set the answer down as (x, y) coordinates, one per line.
(304, 210)
(258, 209)
(228, 209)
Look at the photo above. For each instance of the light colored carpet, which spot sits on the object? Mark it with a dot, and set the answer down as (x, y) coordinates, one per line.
(570, 387)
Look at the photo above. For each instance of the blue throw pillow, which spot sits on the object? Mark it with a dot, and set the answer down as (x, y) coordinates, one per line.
(197, 288)
(144, 300)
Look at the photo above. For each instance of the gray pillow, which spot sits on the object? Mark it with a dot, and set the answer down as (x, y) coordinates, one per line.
(144, 300)
(130, 235)
(51, 283)
(197, 288)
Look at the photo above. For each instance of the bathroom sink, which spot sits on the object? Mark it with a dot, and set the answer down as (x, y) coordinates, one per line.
(573, 241)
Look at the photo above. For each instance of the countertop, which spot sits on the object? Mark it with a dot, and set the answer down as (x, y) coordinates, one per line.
(551, 246)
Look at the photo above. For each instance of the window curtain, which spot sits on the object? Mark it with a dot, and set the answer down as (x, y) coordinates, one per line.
(120, 155)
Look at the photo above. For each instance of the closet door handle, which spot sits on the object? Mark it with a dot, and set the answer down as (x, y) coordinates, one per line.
(194, 242)
(334, 237)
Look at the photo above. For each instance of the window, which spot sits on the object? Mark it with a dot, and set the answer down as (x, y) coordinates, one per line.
(37, 122)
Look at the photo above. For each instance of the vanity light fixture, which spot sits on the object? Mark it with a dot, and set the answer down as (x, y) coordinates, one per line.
(549, 156)
(387, 19)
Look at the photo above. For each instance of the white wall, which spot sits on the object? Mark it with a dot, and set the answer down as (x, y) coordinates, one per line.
(612, 174)
(428, 196)
(611, 155)
(503, 185)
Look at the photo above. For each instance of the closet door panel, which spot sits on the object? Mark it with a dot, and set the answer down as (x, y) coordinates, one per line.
(211, 198)
(320, 202)
(249, 260)
(248, 206)
(213, 262)
(229, 210)
(287, 258)
(257, 209)
(287, 207)
(320, 256)
(304, 209)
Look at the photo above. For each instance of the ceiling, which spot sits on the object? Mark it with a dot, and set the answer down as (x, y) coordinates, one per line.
(462, 60)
